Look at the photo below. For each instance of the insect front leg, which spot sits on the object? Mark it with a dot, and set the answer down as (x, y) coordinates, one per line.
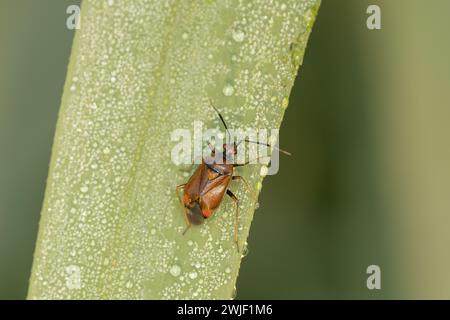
(236, 202)
(188, 223)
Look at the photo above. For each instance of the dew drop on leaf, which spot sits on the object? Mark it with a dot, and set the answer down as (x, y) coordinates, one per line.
(245, 250)
(238, 35)
(264, 170)
(228, 90)
(175, 270)
(285, 103)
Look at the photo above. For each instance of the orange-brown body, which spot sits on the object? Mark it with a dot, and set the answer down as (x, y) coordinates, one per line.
(204, 191)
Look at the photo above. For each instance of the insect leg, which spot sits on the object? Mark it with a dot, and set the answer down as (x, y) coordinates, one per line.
(187, 228)
(247, 186)
(236, 201)
(188, 223)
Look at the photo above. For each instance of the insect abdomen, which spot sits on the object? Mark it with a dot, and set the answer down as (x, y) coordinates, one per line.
(194, 213)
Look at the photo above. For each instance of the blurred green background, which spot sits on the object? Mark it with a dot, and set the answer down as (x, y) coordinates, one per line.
(368, 127)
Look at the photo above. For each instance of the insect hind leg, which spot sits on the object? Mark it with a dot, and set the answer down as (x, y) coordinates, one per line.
(188, 223)
(236, 202)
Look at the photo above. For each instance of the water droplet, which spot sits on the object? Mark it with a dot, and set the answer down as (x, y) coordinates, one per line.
(110, 2)
(244, 250)
(285, 103)
(264, 170)
(153, 231)
(238, 35)
(84, 189)
(113, 79)
(184, 36)
(106, 150)
(190, 243)
(228, 90)
(94, 166)
(193, 275)
(283, 7)
(234, 293)
(129, 284)
(227, 270)
(175, 270)
(73, 88)
(198, 265)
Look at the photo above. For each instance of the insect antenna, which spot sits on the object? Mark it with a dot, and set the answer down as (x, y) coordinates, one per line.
(267, 145)
(221, 119)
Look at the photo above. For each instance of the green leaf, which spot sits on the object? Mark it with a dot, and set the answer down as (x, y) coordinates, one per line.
(111, 224)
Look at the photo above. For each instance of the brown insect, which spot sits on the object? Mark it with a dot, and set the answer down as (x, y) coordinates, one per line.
(204, 191)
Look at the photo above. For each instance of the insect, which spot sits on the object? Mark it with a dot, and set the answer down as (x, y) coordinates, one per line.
(206, 188)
